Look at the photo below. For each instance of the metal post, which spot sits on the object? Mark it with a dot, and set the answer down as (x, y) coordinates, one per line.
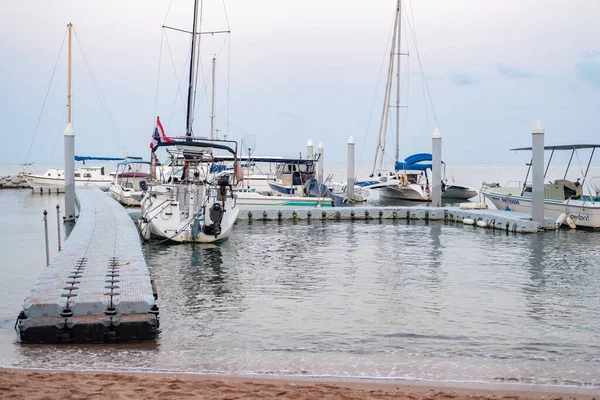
(310, 152)
(436, 165)
(58, 225)
(70, 212)
(46, 237)
(321, 177)
(350, 182)
(212, 113)
(537, 180)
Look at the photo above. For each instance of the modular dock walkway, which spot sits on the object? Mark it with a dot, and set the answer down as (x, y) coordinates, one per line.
(98, 288)
(493, 219)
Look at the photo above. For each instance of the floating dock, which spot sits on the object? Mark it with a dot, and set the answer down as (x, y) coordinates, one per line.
(493, 219)
(98, 288)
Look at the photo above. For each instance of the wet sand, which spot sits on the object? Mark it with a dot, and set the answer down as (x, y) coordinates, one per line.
(38, 384)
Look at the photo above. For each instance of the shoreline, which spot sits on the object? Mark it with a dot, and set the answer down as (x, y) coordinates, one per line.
(38, 383)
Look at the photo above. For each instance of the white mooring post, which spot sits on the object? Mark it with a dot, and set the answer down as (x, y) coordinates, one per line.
(70, 212)
(321, 178)
(436, 165)
(537, 180)
(350, 183)
(310, 151)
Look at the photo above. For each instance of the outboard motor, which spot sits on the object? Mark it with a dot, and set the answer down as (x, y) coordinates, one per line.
(143, 185)
(222, 184)
(216, 216)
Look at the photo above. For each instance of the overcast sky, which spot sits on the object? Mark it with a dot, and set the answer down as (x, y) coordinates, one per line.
(297, 69)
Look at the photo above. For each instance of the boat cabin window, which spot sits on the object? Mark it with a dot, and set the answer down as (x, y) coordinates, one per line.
(51, 174)
(87, 175)
(77, 175)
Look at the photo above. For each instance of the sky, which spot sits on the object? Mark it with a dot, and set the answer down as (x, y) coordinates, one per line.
(294, 70)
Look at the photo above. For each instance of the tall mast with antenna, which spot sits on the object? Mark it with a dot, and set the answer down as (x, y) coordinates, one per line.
(69, 80)
(399, 16)
(190, 99)
(212, 113)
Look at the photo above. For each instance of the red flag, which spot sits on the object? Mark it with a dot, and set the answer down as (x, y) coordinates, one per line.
(158, 137)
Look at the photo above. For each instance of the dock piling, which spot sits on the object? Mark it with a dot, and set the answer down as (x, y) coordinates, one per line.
(350, 182)
(436, 164)
(320, 174)
(537, 181)
(58, 225)
(46, 237)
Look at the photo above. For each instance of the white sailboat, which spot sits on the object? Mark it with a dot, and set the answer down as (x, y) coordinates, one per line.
(195, 207)
(564, 200)
(409, 180)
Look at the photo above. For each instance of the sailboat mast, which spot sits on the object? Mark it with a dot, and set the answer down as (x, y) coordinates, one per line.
(190, 99)
(381, 138)
(399, 16)
(212, 113)
(69, 80)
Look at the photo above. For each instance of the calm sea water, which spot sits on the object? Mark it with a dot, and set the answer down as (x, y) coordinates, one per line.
(407, 300)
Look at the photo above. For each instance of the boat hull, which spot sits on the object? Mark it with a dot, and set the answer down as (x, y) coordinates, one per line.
(162, 218)
(459, 192)
(126, 197)
(411, 192)
(252, 200)
(38, 180)
(585, 214)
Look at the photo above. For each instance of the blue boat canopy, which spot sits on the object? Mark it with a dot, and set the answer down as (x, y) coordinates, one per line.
(89, 158)
(413, 162)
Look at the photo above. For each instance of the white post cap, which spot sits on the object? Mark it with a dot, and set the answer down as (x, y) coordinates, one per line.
(351, 140)
(320, 145)
(69, 131)
(310, 143)
(538, 128)
(436, 133)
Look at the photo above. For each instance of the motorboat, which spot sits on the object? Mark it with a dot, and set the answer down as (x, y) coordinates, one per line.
(564, 199)
(125, 187)
(84, 175)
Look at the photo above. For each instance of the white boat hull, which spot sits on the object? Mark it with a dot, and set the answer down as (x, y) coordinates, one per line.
(127, 197)
(459, 192)
(253, 200)
(162, 217)
(584, 213)
(412, 192)
(42, 181)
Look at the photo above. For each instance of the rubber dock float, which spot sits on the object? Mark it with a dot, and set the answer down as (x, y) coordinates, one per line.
(493, 219)
(98, 288)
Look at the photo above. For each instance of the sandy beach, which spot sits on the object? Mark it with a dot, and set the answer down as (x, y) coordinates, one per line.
(38, 384)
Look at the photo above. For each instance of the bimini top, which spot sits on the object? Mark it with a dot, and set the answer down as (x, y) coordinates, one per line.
(87, 158)
(280, 160)
(562, 147)
(140, 161)
(414, 162)
(193, 144)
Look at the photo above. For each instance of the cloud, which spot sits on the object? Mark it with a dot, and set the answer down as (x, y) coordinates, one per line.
(588, 69)
(463, 79)
(513, 73)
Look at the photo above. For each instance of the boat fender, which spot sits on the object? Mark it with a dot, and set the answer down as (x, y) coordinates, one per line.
(481, 223)
(468, 221)
(571, 222)
(239, 173)
(404, 180)
(560, 220)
